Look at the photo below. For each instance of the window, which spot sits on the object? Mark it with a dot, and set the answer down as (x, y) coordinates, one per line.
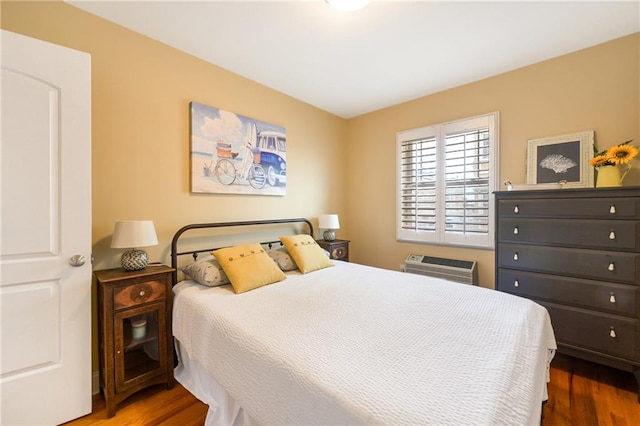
(446, 176)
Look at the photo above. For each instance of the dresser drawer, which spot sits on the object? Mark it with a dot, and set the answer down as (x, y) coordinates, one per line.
(596, 208)
(599, 234)
(592, 264)
(605, 333)
(622, 299)
(138, 294)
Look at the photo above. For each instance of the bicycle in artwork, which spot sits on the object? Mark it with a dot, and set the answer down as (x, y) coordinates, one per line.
(225, 169)
(262, 161)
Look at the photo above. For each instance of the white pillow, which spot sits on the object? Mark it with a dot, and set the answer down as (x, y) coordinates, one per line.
(282, 257)
(207, 272)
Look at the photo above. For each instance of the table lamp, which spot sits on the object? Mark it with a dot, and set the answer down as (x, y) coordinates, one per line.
(132, 234)
(329, 222)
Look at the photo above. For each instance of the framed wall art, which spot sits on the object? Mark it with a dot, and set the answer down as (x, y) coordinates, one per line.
(563, 159)
(234, 154)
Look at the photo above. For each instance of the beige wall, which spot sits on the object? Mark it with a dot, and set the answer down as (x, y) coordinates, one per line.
(593, 89)
(141, 92)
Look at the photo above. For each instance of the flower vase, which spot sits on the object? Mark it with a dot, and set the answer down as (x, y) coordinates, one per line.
(608, 176)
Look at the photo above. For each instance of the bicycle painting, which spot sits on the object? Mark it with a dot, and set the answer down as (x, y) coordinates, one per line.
(231, 153)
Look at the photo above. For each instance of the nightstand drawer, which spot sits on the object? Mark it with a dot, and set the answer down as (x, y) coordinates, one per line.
(338, 249)
(340, 252)
(137, 294)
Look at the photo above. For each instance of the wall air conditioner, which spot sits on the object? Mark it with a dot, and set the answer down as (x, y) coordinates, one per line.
(462, 271)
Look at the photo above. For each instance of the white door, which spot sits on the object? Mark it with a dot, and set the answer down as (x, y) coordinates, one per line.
(45, 302)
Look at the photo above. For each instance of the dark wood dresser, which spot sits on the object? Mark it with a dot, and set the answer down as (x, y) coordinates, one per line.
(577, 253)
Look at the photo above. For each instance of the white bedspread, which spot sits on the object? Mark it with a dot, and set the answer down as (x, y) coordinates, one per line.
(353, 344)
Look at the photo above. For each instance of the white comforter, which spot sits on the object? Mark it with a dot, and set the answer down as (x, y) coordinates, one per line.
(353, 344)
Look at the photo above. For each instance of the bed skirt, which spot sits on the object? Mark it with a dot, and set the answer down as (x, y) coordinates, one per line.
(223, 409)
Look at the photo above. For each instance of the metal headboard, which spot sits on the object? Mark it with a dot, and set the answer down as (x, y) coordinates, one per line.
(194, 253)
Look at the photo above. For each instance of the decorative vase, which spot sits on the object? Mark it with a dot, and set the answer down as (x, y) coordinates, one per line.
(609, 176)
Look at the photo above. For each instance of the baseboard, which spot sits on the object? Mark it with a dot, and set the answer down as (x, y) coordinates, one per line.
(95, 383)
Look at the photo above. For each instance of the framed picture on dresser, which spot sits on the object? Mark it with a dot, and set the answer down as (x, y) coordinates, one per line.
(562, 158)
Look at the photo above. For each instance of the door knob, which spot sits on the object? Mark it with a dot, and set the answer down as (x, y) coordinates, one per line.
(76, 260)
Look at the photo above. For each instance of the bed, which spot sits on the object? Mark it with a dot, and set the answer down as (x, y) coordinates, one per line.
(353, 344)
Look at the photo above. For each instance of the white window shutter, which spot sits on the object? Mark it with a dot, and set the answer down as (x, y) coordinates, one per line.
(446, 177)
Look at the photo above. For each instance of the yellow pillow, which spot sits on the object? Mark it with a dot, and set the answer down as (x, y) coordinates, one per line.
(307, 254)
(248, 267)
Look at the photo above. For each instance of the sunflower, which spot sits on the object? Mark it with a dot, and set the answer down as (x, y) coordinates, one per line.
(621, 154)
(599, 160)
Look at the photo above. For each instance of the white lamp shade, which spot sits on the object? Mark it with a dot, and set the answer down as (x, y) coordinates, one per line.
(329, 221)
(134, 233)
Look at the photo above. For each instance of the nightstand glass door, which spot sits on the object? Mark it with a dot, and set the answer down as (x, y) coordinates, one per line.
(140, 344)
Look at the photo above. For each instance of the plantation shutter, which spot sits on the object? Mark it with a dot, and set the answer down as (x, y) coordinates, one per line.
(418, 184)
(467, 181)
(445, 182)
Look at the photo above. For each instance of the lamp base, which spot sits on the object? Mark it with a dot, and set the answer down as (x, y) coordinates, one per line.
(134, 260)
(329, 235)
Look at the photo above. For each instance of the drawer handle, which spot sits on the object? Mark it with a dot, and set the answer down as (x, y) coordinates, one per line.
(612, 298)
(142, 293)
(612, 209)
(516, 231)
(612, 235)
(516, 209)
(612, 333)
(612, 266)
(515, 256)
(516, 283)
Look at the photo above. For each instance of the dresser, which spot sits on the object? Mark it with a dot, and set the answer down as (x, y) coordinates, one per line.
(577, 253)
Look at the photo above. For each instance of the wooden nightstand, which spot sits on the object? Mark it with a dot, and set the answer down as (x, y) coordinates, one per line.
(134, 331)
(339, 249)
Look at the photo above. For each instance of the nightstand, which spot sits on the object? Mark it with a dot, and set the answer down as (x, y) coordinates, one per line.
(338, 249)
(134, 331)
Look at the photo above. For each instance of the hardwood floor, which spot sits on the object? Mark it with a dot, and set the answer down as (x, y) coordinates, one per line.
(153, 406)
(580, 394)
(584, 393)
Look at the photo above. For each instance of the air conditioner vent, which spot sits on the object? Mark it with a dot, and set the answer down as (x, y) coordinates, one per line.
(462, 271)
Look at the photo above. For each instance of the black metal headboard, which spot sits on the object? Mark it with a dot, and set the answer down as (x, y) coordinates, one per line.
(194, 253)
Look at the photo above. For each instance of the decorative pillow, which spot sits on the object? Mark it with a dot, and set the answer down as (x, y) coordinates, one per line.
(307, 254)
(248, 267)
(206, 272)
(282, 257)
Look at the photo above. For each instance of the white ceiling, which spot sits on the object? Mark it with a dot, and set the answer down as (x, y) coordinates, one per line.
(351, 63)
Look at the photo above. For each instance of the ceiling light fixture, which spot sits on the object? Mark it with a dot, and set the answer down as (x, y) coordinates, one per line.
(347, 5)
